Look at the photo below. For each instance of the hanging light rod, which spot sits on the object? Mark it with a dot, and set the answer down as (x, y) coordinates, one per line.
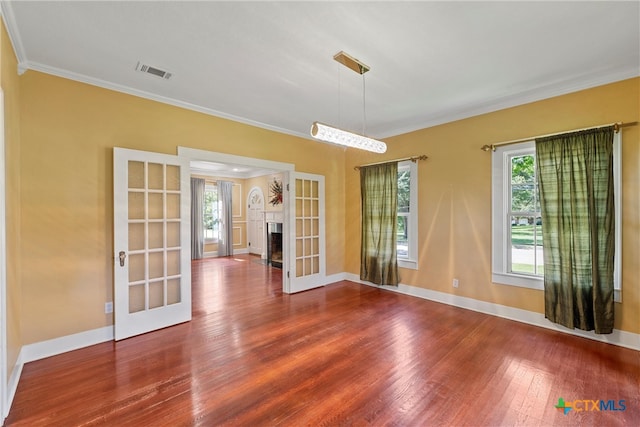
(342, 137)
(616, 128)
(334, 135)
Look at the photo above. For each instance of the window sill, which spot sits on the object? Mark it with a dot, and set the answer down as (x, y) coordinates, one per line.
(520, 280)
(530, 282)
(408, 263)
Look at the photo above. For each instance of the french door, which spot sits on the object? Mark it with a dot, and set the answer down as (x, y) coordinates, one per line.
(306, 263)
(152, 271)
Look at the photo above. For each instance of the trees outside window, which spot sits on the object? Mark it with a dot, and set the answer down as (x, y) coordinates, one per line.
(210, 217)
(525, 236)
(407, 215)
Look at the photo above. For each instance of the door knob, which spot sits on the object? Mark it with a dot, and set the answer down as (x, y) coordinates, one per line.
(122, 255)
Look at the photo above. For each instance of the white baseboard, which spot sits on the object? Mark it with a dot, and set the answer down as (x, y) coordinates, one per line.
(12, 384)
(52, 347)
(337, 277)
(619, 338)
(215, 254)
(40, 350)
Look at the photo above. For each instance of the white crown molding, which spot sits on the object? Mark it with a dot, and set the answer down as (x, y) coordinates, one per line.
(578, 83)
(253, 173)
(618, 337)
(564, 87)
(14, 36)
(212, 156)
(153, 97)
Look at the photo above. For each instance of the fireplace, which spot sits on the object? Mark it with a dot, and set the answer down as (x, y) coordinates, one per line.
(274, 244)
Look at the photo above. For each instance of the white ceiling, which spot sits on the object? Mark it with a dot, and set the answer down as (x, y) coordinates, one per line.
(228, 170)
(270, 63)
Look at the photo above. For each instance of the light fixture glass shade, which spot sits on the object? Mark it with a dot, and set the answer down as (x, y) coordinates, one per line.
(342, 137)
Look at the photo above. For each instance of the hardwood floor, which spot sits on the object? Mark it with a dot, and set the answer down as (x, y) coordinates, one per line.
(345, 354)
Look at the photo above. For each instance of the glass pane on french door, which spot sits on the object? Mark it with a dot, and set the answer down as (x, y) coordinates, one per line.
(154, 235)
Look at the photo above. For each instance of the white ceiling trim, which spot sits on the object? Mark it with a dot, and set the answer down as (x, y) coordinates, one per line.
(571, 85)
(153, 97)
(226, 174)
(14, 36)
(213, 156)
(576, 83)
(561, 88)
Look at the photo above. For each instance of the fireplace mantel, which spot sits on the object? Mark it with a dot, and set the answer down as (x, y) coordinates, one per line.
(274, 216)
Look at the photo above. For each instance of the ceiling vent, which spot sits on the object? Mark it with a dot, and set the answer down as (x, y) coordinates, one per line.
(143, 68)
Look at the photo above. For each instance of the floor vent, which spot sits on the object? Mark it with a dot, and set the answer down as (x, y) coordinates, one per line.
(143, 68)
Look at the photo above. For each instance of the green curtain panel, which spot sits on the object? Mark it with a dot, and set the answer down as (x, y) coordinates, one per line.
(379, 192)
(575, 175)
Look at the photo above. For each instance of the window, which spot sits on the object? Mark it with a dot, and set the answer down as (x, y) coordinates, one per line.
(210, 216)
(524, 235)
(407, 237)
(517, 250)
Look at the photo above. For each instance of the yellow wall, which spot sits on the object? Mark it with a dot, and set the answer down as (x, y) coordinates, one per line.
(68, 132)
(264, 183)
(59, 191)
(455, 194)
(11, 90)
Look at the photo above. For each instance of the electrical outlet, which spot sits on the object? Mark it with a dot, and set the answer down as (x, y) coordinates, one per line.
(108, 307)
(455, 283)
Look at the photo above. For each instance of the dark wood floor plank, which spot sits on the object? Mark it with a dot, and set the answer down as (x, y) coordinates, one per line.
(345, 354)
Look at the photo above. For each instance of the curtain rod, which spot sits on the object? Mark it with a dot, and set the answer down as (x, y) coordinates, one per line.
(413, 159)
(616, 128)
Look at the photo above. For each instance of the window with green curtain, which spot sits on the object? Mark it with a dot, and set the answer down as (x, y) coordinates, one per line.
(575, 174)
(379, 193)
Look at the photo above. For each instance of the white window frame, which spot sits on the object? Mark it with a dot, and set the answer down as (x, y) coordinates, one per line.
(214, 239)
(411, 260)
(500, 225)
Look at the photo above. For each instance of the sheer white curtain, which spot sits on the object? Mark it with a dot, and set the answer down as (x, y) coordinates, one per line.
(225, 239)
(197, 212)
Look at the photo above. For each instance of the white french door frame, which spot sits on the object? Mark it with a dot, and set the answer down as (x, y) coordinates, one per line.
(4, 398)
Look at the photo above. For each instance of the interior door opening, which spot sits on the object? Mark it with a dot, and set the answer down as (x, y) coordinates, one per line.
(255, 222)
(227, 165)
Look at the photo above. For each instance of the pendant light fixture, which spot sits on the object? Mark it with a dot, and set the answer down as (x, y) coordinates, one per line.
(334, 135)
